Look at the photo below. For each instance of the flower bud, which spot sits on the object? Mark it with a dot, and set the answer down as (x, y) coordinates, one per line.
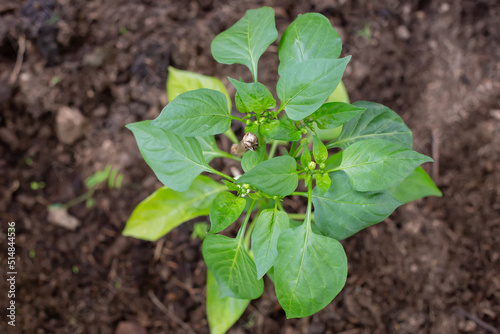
(322, 165)
(312, 165)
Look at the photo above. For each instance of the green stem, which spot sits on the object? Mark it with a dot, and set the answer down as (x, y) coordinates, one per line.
(243, 227)
(309, 205)
(298, 193)
(250, 230)
(274, 145)
(230, 134)
(237, 119)
(293, 148)
(332, 170)
(215, 171)
(299, 216)
(79, 199)
(223, 154)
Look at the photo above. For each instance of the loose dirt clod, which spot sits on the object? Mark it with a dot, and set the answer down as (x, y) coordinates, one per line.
(69, 125)
(61, 217)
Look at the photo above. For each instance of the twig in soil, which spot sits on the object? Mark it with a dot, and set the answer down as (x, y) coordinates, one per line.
(19, 60)
(436, 138)
(169, 314)
(478, 321)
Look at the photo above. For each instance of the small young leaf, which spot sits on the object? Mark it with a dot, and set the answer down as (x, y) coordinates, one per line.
(319, 150)
(305, 158)
(377, 164)
(323, 182)
(254, 96)
(253, 158)
(225, 209)
(176, 161)
(377, 121)
(276, 176)
(342, 211)
(179, 82)
(165, 209)
(232, 266)
(222, 313)
(246, 40)
(303, 88)
(310, 36)
(270, 129)
(200, 112)
(268, 227)
(309, 272)
(417, 185)
(230, 185)
(287, 130)
(333, 114)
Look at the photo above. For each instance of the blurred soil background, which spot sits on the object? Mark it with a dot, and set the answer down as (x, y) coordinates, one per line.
(73, 73)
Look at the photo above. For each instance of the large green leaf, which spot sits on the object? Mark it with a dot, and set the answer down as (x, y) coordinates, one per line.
(175, 160)
(200, 112)
(225, 210)
(253, 158)
(166, 208)
(232, 266)
(417, 185)
(268, 227)
(246, 40)
(377, 121)
(342, 211)
(252, 97)
(310, 36)
(222, 313)
(180, 81)
(287, 130)
(303, 88)
(333, 114)
(276, 176)
(378, 164)
(309, 272)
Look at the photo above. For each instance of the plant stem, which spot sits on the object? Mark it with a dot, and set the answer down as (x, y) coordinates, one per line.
(79, 199)
(274, 145)
(298, 193)
(309, 205)
(243, 227)
(223, 154)
(293, 148)
(299, 216)
(250, 230)
(230, 134)
(215, 171)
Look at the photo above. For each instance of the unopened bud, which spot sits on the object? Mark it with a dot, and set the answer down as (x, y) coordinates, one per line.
(246, 185)
(322, 165)
(311, 165)
(303, 131)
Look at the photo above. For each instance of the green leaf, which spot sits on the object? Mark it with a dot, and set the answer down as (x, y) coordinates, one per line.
(176, 161)
(276, 176)
(323, 182)
(270, 129)
(253, 158)
(268, 227)
(222, 313)
(225, 209)
(253, 96)
(246, 40)
(179, 82)
(303, 88)
(209, 148)
(342, 211)
(377, 121)
(287, 130)
(339, 94)
(309, 272)
(305, 158)
(417, 185)
(310, 36)
(232, 266)
(319, 150)
(200, 112)
(333, 114)
(377, 164)
(166, 208)
(333, 161)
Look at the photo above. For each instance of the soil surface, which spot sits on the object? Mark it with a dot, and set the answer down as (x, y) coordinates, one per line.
(432, 267)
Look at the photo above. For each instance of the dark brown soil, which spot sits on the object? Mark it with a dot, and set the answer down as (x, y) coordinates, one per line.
(433, 267)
